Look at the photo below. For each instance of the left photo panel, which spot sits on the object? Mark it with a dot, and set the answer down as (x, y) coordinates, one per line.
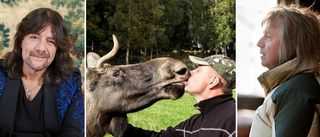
(41, 68)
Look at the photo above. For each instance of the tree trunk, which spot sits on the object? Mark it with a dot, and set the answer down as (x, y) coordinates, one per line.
(178, 49)
(157, 51)
(151, 50)
(145, 51)
(128, 51)
(92, 45)
(224, 50)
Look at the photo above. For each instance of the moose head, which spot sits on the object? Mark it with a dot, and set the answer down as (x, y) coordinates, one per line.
(114, 90)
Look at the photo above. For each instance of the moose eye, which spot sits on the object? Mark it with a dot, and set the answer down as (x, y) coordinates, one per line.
(116, 74)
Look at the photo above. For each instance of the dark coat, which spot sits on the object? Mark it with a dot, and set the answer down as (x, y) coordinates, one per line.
(63, 106)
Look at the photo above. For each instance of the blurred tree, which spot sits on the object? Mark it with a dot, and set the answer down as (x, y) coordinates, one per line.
(173, 22)
(138, 28)
(98, 12)
(147, 28)
(224, 23)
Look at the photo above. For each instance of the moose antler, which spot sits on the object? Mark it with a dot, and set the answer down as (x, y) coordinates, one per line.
(111, 53)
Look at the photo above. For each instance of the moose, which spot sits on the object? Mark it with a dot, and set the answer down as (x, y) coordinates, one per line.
(115, 90)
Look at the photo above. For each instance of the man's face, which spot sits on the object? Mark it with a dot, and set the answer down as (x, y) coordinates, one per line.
(199, 79)
(269, 45)
(38, 50)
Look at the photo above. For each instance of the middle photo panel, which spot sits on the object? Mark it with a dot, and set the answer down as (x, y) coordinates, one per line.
(160, 67)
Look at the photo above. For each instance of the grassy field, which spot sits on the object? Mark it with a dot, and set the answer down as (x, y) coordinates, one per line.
(164, 113)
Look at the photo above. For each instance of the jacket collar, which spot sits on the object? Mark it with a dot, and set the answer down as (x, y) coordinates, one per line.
(9, 103)
(276, 76)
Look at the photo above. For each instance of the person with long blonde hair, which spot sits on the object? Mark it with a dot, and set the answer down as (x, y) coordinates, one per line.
(290, 49)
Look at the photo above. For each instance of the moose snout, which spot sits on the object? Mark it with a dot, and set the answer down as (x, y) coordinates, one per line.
(173, 69)
(181, 70)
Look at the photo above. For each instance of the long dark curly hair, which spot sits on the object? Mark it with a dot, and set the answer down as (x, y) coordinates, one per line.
(35, 22)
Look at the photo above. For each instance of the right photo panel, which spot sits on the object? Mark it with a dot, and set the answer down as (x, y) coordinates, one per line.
(278, 59)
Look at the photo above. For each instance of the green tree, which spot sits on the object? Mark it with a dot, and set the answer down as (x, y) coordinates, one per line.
(148, 27)
(224, 23)
(175, 21)
(98, 35)
(136, 24)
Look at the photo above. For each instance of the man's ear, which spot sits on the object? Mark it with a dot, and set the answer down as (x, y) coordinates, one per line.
(214, 82)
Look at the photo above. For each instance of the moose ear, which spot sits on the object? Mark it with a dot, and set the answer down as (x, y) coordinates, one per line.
(92, 59)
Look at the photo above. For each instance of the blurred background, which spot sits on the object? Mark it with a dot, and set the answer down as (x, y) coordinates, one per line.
(157, 28)
(250, 95)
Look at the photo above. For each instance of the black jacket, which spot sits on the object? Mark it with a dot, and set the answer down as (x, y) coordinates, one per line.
(217, 119)
(63, 106)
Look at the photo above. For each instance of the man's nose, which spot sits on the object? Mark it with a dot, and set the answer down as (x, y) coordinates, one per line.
(261, 42)
(42, 45)
(191, 72)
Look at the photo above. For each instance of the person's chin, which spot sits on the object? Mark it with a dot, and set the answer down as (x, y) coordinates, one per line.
(187, 89)
(39, 67)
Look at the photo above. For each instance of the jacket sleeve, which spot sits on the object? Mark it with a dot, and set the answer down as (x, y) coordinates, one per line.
(73, 121)
(169, 132)
(295, 108)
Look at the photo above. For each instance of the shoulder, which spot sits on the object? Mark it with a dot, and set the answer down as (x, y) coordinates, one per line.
(228, 105)
(76, 75)
(3, 72)
(300, 82)
(300, 86)
(306, 79)
(3, 78)
(72, 82)
(2, 69)
(228, 112)
(1, 63)
(76, 71)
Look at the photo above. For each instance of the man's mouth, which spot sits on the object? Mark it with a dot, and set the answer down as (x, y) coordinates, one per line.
(185, 82)
(41, 57)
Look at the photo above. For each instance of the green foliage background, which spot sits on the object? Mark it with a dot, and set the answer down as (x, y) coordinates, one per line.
(153, 28)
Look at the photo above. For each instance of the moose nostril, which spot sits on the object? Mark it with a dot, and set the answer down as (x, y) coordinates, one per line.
(182, 71)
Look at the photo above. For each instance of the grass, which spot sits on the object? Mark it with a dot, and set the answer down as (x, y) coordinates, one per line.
(163, 114)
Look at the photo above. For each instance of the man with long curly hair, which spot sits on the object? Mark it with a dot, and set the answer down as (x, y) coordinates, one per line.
(40, 91)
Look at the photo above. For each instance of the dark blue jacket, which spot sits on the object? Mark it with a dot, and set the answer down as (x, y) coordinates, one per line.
(63, 106)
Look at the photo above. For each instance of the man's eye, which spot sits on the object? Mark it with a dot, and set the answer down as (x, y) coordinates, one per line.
(52, 42)
(33, 37)
(268, 37)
